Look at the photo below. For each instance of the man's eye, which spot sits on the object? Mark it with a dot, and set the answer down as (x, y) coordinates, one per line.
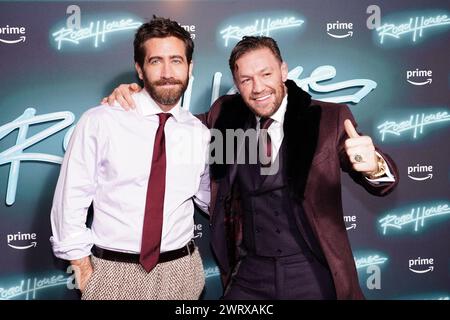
(245, 81)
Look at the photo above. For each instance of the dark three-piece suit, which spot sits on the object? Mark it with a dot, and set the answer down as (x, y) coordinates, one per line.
(294, 233)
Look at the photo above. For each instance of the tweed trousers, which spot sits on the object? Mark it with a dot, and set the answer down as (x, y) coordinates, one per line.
(179, 279)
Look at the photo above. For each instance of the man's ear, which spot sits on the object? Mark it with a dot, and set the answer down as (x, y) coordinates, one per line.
(284, 71)
(139, 71)
(191, 67)
(235, 81)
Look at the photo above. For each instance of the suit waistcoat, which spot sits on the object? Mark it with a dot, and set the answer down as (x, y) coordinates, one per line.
(274, 223)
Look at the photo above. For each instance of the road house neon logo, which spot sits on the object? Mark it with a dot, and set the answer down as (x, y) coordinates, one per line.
(419, 74)
(340, 28)
(429, 296)
(21, 241)
(260, 27)
(96, 32)
(421, 265)
(12, 35)
(211, 272)
(416, 124)
(420, 173)
(370, 264)
(414, 218)
(27, 289)
(437, 298)
(15, 154)
(370, 260)
(414, 27)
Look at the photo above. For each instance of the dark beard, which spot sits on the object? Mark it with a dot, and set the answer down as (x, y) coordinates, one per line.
(166, 96)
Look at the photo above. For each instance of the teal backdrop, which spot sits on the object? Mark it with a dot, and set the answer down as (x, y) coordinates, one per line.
(388, 60)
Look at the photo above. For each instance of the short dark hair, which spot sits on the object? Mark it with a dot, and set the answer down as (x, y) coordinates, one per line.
(160, 27)
(250, 43)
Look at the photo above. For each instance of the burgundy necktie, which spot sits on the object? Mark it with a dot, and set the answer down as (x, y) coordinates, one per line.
(153, 218)
(264, 124)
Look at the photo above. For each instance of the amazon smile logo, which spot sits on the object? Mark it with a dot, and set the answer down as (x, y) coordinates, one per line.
(420, 172)
(421, 265)
(12, 35)
(198, 233)
(425, 77)
(343, 29)
(350, 222)
(21, 241)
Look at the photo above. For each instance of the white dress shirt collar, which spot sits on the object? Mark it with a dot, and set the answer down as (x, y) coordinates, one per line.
(146, 106)
(278, 116)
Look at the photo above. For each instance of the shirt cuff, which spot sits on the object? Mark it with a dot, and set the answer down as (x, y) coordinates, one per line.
(74, 248)
(388, 177)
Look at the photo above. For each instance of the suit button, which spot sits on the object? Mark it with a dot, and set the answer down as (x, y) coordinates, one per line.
(277, 213)
(278, 231)
(258, 230)
(279, 251)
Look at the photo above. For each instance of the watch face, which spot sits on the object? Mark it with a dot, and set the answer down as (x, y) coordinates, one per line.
(381, 168)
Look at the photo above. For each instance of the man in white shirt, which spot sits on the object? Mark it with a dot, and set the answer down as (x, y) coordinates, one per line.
(143, 171)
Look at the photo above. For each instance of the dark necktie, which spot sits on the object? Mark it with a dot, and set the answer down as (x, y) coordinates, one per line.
(153, 218)
(264, 124)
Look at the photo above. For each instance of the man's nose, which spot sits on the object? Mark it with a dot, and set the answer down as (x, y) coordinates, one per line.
(258, 85)
(166, 71)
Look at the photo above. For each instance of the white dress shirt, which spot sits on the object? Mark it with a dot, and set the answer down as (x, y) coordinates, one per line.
(276, 133)
(108, 163)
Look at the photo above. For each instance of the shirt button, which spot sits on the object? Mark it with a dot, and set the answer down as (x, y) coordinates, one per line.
(279, 251)
(258, 230)
(277, 213)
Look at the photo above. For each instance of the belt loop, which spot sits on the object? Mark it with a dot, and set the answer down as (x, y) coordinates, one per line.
(189, 251)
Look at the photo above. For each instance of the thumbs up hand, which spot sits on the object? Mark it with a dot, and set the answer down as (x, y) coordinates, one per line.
(360, 150)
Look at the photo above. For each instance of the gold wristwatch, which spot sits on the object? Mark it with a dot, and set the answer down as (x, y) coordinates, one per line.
(381, 171)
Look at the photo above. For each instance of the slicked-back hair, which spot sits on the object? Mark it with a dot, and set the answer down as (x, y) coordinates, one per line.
(250, 43)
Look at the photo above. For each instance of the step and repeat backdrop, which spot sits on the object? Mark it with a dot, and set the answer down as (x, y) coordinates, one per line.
(388, 60)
